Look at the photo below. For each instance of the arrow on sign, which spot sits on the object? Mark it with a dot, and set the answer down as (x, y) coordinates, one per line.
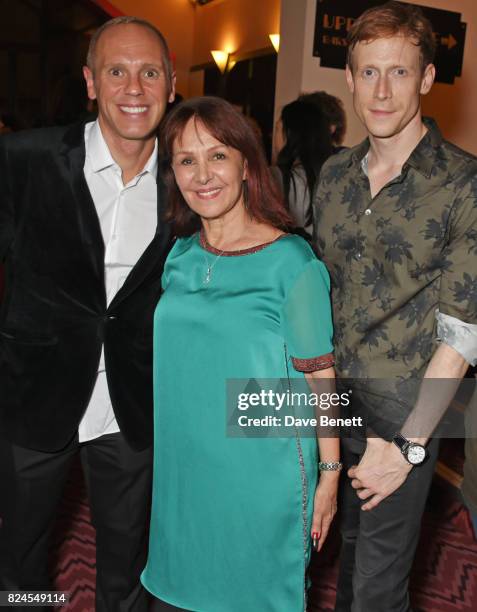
(448, 41)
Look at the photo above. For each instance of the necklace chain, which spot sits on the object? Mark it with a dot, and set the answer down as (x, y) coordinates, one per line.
(209, 266)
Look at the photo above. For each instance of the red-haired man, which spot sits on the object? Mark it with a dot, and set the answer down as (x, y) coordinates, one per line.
(396, 224)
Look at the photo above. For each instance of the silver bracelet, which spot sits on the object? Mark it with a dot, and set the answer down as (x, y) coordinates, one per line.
(330, 466)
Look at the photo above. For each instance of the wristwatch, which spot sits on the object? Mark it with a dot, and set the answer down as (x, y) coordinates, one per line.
(413, 452)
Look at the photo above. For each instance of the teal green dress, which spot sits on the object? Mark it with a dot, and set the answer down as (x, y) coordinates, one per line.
(231, 516)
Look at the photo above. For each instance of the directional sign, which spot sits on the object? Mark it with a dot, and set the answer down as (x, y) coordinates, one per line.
(448, 41)
(335, 17)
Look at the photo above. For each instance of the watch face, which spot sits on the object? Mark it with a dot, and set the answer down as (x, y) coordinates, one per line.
(416, 454)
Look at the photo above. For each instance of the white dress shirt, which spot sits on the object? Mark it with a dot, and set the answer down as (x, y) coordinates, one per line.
(128, 219)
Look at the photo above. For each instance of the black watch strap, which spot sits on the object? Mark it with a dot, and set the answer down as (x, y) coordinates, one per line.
(414, 453)
(401, 442)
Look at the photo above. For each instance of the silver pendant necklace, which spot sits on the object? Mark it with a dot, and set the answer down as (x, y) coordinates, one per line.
(209, 265)
(208, 273)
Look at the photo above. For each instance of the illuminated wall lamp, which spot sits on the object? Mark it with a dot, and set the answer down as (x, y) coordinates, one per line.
(275, 40)
(221, 58)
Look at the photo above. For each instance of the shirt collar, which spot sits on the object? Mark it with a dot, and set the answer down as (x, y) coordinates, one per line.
(97, 150)
(99, 155)
(151, 164)
(359, 152)
(424, 155)
(421, 159)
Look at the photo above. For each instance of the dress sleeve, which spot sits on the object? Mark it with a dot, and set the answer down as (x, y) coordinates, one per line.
(307, 320)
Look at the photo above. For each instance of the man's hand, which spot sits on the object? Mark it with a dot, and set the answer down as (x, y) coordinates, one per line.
(381, 471)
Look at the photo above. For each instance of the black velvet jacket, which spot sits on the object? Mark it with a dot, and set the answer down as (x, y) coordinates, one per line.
(54, 315)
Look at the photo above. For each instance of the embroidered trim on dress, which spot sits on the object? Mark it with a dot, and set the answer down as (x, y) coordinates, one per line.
(314, 363)
(208, 247)
(304, 493)
(304, 510)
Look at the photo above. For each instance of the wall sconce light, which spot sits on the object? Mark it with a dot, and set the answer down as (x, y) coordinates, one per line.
(275, 40)
(221, 58)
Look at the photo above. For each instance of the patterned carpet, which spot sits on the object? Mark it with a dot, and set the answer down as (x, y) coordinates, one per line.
(73, 547)
(444, 576)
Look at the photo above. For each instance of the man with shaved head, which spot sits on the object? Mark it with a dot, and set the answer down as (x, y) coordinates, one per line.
(83, 243)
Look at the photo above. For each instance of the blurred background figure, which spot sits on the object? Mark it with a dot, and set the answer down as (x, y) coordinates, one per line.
(333, 110)
(309, 130)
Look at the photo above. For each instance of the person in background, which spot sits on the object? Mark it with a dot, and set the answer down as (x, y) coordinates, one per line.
(395, 224)
(79, 233)
(233, 518)
(332, 109)
(304, 141)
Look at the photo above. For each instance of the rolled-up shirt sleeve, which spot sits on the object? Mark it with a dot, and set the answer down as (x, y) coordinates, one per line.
(459, 335)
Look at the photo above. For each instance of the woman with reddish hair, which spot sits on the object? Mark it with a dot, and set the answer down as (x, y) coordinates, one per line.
(233, 514)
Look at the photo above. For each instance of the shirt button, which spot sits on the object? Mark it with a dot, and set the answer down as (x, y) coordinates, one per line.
(367, 211)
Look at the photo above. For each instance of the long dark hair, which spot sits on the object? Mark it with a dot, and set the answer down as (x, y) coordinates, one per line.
(307, 142)
(264, 201)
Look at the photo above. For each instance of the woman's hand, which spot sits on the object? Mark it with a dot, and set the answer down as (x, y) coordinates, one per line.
(324, 507)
